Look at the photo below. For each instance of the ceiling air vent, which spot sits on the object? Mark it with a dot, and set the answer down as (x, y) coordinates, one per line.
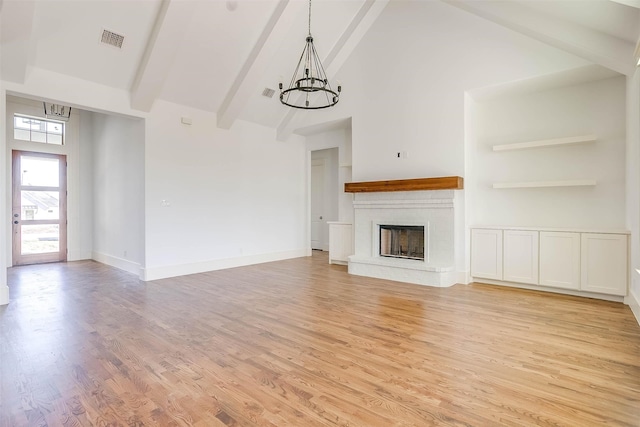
(268, 92)
(111, 38)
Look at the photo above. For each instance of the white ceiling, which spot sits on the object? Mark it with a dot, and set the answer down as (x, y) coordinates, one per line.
(219, 55)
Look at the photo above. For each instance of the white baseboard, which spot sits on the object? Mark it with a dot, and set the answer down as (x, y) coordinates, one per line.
(163, 272)
(463, 277)
(120, 263)
(614, 298)
(4, 295)
(79, 256)
(633, 301)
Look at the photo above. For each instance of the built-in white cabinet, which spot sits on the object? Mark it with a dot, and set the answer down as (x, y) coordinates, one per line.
(580, 261)
(520, 261)
(560, 259)
(340, 242)
(604, 263)
(486, 245)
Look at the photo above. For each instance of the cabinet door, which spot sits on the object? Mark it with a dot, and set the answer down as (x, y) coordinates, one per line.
(604, 263)
(340, 243)
(521, 256)
(486, 254)
(560, 260)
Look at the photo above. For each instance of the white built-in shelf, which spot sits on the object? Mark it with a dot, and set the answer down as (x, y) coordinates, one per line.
(541, 184)
(546, 143)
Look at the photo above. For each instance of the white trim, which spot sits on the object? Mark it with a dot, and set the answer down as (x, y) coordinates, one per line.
(162, 272)
(605, 297)
(633, 301)
(546, 143)
(120, 263)
(464, 277)
(4, 295)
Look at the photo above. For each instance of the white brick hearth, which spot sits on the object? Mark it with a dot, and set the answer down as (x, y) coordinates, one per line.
(432, 209)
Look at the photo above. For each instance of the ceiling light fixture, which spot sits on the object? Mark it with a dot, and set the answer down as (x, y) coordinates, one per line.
(309, 88)
(56, 111)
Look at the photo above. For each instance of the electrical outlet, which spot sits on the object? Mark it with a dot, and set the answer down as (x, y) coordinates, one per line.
(165, 203)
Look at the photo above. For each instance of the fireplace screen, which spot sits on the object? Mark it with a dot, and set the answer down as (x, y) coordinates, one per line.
(402, 241)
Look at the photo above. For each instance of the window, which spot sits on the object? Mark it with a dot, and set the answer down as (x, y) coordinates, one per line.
(38, 130)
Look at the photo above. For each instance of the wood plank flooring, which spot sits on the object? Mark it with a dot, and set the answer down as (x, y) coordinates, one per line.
(302, 343)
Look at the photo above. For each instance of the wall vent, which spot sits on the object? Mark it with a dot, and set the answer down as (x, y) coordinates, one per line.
(268, 92)
(111, 38)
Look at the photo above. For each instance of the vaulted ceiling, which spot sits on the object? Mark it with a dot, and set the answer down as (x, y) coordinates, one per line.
(220, 55)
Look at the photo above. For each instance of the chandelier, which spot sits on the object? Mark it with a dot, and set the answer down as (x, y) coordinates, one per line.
(56, 111)
(309, 88)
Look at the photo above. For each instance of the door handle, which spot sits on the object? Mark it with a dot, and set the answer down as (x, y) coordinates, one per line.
(320, 217)
(15, 222)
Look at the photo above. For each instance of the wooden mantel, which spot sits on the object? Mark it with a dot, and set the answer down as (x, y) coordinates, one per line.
(417, 184)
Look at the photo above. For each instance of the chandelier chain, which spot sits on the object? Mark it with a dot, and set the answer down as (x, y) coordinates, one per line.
(309, 17)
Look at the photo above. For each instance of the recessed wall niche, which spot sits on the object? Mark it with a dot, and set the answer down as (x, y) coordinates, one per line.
(549, 153)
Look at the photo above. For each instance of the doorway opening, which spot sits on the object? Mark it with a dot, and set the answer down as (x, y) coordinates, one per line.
(324, 195)
(39, 207)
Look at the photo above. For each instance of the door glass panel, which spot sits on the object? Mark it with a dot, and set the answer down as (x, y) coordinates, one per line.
(40, 239)
(39, 171)
(40, 205)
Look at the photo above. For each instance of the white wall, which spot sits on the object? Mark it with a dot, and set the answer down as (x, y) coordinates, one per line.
(237, 197)
(232, 197)
(404, 85)
(118, 190)
(591, 108)
(86, 184)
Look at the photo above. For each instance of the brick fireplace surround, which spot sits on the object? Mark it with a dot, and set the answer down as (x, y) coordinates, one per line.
(388, 203)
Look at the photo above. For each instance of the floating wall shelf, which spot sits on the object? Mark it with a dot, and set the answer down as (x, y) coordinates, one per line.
(542, 184)
(546, 143)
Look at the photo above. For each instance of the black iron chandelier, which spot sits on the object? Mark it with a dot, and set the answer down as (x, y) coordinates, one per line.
(309, 88)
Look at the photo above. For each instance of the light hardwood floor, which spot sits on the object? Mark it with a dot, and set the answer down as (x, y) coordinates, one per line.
(302, 343)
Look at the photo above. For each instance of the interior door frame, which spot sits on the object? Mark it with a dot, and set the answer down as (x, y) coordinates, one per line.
(16, 215)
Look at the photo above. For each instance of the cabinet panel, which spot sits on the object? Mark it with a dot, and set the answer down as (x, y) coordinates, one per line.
(604, 263)
(340, 243)
(486, 254)
(521, 256)
(560, 259)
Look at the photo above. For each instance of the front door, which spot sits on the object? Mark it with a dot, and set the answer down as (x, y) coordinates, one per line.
(39, 215)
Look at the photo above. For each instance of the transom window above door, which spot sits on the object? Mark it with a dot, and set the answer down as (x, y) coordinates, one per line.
(38, 130)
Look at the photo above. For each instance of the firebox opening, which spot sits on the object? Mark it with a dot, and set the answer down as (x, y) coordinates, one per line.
(402, 241)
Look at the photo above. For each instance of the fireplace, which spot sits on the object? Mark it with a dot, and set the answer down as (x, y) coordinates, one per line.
(406, 236)
(402, 241)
